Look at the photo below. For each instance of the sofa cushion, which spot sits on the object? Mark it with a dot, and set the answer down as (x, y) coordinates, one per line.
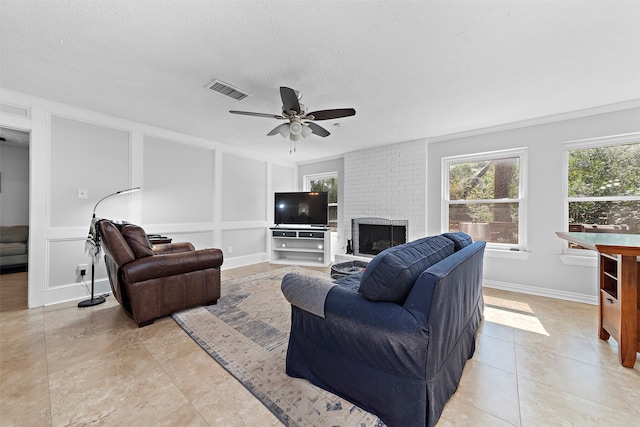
(115, 244)
(460, 239)
(351, 282)
(14, 233)
(392, 273)
(9, 249)
(137, 240)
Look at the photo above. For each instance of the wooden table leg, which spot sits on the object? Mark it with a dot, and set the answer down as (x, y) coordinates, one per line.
(628, 342)
(602, 332)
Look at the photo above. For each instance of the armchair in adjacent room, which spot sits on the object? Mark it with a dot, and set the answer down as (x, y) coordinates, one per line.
(154, 281)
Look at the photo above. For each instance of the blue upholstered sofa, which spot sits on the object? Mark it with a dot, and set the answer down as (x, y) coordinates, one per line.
(395, 338)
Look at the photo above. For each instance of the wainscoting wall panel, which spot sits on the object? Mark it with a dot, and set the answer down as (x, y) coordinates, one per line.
(86, 156)
(177, 182)
(244, 190)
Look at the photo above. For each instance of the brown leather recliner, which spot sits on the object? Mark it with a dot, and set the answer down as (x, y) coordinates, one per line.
(154, 281)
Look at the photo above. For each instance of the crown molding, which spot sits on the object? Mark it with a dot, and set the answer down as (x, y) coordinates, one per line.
(620, 106)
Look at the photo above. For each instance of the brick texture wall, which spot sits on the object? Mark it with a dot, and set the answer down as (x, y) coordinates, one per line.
(387, 182)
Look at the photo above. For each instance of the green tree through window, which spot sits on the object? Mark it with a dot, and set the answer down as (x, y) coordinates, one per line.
(485, 196)
(604, 188)
(487, 180)
(329, 185)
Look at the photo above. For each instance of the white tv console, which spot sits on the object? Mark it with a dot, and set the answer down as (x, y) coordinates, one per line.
(301, 246)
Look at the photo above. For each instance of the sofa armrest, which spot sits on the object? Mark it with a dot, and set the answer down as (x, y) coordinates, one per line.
(447, 301)
(171, 264)
(306, 292)
(172, 248)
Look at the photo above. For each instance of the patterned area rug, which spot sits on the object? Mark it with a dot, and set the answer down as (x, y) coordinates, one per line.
(247, 333)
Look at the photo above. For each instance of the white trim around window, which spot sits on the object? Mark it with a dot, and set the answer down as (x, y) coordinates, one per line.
(583, 257)
(502, 250)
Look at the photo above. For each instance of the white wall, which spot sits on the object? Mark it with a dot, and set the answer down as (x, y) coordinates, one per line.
(178, 185)
(191, 190)
(244, 207)
(178, 191)
(78, 160)
(281, 179)
(14, 195)
(542, 272)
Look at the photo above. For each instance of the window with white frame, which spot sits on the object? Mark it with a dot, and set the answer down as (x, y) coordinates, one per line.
(602, 185)
(484, 195)
(326, 182)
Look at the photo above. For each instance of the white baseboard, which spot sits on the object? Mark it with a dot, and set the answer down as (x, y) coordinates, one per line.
(243, 261)
(543, 292)
(76, 292)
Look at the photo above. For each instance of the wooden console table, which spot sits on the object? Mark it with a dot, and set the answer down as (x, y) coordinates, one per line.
(619, 314)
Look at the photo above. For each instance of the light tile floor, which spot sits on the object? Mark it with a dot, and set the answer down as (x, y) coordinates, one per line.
(538, 362)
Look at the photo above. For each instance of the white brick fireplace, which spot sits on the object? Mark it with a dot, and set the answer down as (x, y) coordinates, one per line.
(388, 182)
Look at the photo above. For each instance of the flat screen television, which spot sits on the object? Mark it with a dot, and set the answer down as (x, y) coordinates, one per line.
(301, 208)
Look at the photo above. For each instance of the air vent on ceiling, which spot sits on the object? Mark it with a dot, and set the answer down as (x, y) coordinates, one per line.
(227, 89)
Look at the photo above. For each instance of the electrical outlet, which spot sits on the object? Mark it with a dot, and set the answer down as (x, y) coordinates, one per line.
(230, 250)
(82, 269)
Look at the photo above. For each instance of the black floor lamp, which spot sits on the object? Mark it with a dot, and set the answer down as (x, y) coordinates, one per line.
(93, 236)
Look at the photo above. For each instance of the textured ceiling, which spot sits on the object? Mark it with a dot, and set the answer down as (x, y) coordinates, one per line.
(410, 69)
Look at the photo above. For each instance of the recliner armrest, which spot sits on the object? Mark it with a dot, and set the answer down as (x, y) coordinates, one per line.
(165, 265)
(172, 248)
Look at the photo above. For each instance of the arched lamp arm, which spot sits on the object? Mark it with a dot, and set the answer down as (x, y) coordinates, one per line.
(128, 190)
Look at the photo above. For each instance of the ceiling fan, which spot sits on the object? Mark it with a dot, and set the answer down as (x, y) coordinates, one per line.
(300, 123)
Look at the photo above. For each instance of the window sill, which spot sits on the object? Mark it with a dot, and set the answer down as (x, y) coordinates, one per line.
(505, 254)
(579, 260)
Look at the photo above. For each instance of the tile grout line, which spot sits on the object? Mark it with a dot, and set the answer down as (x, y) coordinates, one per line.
(46, 358)
(515, 359)
(190, 402)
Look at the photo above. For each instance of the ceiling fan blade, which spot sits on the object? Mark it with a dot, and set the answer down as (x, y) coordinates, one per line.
(248, 113)
(332, 114)
(289, 99)
(318, 130)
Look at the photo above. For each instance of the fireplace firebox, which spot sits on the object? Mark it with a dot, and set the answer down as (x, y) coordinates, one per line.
(373, 235)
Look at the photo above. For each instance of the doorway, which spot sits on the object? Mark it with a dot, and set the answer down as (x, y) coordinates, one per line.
(14, 214)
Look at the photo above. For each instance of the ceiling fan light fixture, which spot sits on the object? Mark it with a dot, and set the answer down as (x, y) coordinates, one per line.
(306, 131)
(295, 137)
(295, 128)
